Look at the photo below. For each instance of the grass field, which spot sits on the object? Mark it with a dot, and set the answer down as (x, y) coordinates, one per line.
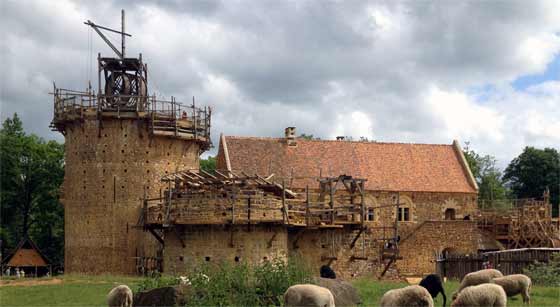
(91, 291)
(372, 290)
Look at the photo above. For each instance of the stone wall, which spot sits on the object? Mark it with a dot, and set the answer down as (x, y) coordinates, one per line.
(107, 173)
(425, 234)
(216, 244)
(420, 247)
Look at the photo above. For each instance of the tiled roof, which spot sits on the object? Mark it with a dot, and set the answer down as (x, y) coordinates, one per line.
(386, 166)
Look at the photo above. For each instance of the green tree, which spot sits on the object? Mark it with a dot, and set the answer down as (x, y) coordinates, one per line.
(308, 137)
(533, 171)
(208, 164)
(487, 175)
(31, 173)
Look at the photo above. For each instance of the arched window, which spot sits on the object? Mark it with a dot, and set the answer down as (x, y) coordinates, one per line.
(404, 211)
(450, 214)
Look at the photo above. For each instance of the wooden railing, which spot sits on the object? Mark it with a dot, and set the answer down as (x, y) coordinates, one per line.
(166, 117)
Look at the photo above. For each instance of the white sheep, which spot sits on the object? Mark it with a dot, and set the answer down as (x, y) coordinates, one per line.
(120, 296)
(477, 278)
(308, 295)
(481, 295)
(515, 284)
(407, 296)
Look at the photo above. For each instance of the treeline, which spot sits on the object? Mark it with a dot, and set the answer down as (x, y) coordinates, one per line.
(31, 172)
(529, 175)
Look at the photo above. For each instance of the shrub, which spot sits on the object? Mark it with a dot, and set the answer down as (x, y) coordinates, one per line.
(243, 285)
(156, 281)
(545, 273)
(238, 284)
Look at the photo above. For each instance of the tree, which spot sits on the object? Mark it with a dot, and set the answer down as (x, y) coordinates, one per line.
(532, 172)
(308, 137)
(487, 175)
(31, 173)
(208, 164)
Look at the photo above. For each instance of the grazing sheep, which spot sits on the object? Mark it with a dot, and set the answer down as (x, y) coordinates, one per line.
(327, 272)
(120, 296)
(481, 295)
(515, 284)
(408, 296)
(477, 278)
(308, 295)
(433, 284)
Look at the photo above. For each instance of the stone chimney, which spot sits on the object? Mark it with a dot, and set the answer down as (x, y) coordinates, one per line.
(340, 138)
(290, 134)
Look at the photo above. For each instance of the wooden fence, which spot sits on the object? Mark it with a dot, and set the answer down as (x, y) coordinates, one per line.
(513, 261)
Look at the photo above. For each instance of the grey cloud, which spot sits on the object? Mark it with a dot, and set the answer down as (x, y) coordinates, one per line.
(302, 63)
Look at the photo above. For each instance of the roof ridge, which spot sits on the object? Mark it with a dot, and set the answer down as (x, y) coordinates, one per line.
(265, 138)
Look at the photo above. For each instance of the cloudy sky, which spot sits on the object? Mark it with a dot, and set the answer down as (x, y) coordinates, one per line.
(483, 72)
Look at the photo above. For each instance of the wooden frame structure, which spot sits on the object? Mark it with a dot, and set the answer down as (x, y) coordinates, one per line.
(527, 223)
(197, 197)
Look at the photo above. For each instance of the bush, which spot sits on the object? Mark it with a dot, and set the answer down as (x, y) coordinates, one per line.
(545, 273)
(156, 281)
(244, 285)
(236, 284)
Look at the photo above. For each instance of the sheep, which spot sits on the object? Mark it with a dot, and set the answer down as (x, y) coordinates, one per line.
(477, 278)
(120, 296)
(515, 284)
(433, 284)
(308, 295)
(327, 272)
(407, 296)
(481, 295)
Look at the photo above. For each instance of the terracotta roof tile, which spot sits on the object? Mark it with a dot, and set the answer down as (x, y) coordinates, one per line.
(387, 166)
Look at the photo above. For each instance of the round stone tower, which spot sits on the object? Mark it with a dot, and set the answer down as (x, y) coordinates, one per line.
(118, 144)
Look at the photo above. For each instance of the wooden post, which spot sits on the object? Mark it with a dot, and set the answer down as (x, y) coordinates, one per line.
(396, 232)
(362, 208)
(284, 207)
(249, 214)
(331, 201)
(233, 210)
(307, 205)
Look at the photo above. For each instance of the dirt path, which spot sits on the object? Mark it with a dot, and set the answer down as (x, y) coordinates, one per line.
(30, 282)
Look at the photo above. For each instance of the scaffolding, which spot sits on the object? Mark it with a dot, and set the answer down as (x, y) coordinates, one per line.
(523, 223)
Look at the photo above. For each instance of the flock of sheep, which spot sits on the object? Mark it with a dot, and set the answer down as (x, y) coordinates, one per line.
(481, 288)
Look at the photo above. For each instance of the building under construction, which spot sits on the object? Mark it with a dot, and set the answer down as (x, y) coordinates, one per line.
(119, 142)
(136, 201)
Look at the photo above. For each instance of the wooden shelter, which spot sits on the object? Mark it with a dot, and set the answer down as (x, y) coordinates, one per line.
(28, 257)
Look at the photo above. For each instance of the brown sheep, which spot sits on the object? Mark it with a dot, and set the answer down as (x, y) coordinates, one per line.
(477, 278)
(120, 296)
(481, 295)
(308, 295)
(411, 296)
(515, 284)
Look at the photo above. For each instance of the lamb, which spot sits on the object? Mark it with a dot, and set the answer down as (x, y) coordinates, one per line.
(477, 278)
(308, 295)
(481, 295)
(433, 284)
(407, 296)
(120, 296)
(515, 284)
(327, 272)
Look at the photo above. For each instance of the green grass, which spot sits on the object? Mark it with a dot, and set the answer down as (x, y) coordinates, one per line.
(78, 290)
(74, 290)
(371, 292)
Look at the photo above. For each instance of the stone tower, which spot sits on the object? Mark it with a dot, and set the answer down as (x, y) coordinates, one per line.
(119, 142)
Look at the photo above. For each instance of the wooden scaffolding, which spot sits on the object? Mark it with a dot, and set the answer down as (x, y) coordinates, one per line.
(523, 223)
